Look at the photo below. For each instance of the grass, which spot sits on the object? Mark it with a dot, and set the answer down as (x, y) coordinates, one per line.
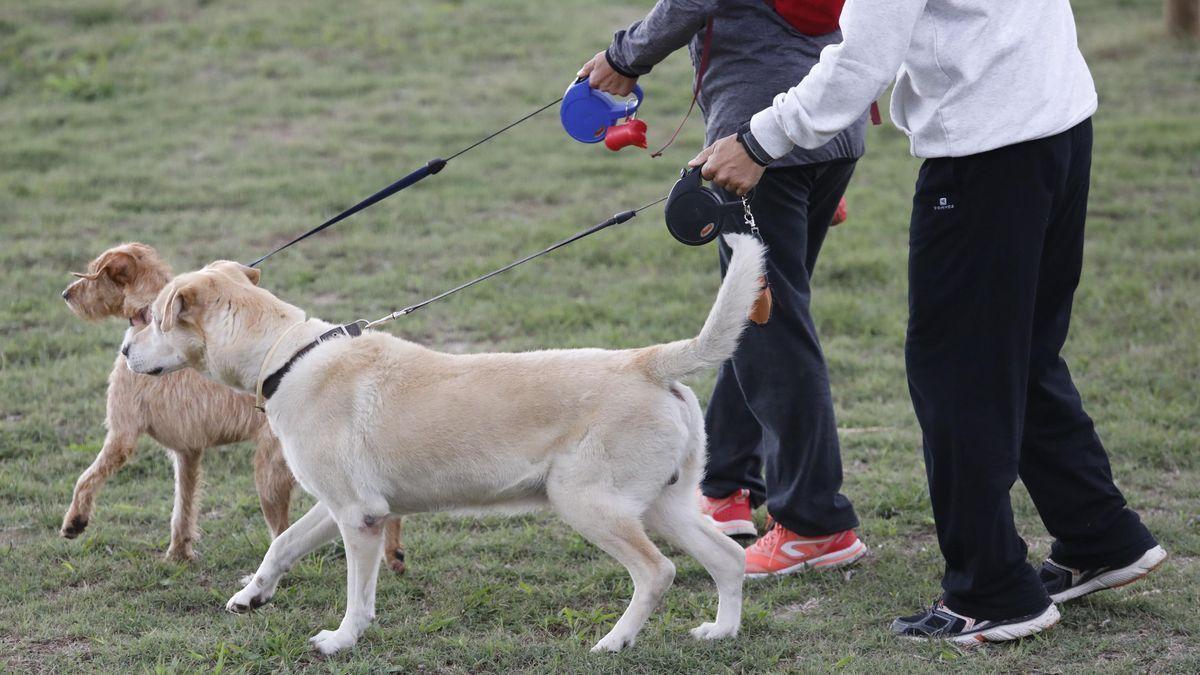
(217, 129)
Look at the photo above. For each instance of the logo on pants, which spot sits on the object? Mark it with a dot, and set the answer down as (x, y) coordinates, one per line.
(943, 204)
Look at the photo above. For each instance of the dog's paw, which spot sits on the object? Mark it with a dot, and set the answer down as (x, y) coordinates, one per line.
(331, 641)
(180, 554)
(711, 631)
(250, 597)
(396, 561)
(73, 526)
(613, 643)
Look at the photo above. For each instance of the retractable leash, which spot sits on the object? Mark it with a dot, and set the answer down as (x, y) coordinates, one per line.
(616, 219)
(587, 115)
(431, 167)
(268, 383)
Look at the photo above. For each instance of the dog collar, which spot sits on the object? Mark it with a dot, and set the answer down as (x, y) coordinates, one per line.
(269, 385)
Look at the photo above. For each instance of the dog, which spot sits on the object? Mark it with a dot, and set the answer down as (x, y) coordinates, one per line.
(185, 412)
(376, 426)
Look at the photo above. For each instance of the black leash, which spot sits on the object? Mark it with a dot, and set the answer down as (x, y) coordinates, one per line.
(431, 167)
(268, 385)
(616, 219)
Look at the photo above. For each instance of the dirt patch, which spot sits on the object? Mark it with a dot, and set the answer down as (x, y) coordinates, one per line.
(795, 610)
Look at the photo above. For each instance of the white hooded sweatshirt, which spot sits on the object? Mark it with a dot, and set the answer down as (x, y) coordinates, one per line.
(971, 76)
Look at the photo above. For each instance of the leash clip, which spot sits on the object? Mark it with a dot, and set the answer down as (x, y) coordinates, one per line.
(749, 215)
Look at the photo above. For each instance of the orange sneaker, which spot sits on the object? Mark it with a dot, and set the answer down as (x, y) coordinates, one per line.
(840, 215)
(731, 514)
(781, 551)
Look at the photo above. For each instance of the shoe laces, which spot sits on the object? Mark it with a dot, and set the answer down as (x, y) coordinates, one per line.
(774, 534)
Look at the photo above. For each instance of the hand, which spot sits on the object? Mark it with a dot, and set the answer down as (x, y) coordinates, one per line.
(727, 164)
(601, 76)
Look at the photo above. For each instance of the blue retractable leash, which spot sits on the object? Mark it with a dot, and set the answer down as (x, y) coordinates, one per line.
(431, 167)
(694, 213)
(588, 115)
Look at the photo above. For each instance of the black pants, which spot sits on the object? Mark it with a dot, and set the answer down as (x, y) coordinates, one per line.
(995, 252)
(771, 407)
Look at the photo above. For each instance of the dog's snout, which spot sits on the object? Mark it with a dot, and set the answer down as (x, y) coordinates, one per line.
(125, 350)
(66, 294)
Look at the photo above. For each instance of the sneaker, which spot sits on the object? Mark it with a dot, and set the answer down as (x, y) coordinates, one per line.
(939, 623)
(839, 216)
(781, 551)
(1067, 583)
(731, 514)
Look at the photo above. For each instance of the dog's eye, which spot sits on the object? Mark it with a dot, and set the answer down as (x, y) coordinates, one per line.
(141, 319)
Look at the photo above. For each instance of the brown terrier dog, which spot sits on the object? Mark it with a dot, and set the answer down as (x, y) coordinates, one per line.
(184, 411)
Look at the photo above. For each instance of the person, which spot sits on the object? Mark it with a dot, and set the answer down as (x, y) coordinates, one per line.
(771, 410)
(998, 100)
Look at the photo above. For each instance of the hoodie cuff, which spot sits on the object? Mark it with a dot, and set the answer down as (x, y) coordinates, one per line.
(745, 136)
(621, 70)
(770, 138)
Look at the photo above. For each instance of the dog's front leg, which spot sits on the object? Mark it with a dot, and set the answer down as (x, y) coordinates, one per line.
(313, 529)
(364, 545)
(393, 547)
(118, 448)
(274, 481)
(187, 491)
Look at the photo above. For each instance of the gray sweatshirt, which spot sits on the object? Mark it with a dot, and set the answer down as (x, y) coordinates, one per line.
(971, 76)
(755, 54)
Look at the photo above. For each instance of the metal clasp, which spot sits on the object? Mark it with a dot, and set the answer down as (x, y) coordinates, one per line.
(749, 215)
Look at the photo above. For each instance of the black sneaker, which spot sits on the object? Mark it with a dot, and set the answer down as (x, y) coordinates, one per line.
(1067, 583)
(939, 623)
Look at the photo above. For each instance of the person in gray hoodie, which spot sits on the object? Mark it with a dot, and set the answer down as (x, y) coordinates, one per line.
(771, 408)
(997, 98)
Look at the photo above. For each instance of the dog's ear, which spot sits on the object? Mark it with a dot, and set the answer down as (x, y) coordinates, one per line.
(182, 304)
(252, 273)
(236, 270)
(120, 266)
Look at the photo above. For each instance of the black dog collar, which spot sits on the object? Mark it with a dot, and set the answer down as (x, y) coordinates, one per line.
(271, 383)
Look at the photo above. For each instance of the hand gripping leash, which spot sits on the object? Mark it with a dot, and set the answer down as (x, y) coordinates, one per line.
(431, 167)
(614, 220)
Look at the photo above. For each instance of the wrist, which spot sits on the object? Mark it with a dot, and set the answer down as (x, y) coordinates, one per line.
(617, 67)
(752, 147)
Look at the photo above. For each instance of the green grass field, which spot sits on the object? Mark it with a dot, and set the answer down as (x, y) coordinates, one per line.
(216, 129)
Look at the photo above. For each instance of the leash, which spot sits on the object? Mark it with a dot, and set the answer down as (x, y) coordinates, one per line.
(616, 219)
(706, 47)
(268, 384)
(431, 167)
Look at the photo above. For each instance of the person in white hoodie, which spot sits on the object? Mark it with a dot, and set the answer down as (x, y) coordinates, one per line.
(997, 98)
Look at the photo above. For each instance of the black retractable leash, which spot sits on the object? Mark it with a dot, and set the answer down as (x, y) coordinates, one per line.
(431, 167)
(696, 214)
(616, 219)
(270, 384)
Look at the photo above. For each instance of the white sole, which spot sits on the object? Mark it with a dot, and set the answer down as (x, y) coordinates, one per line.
(735, 528)
(1116, 578)
(1013, 631)
(846, 556)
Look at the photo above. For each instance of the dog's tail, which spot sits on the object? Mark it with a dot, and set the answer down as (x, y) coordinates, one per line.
(719, 337)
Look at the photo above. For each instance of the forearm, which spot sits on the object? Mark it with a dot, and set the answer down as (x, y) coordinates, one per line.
(849, 76)
(669, 26)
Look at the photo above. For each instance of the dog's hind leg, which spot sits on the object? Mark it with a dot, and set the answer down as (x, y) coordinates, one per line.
(274, 481)
(677, 517)
(599, 517)
(187, 493)
(364, 545)
(119, 446)
(393, 547)
(313, 529)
